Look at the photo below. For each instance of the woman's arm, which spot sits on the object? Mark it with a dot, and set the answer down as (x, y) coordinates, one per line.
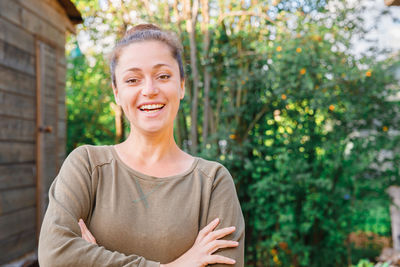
(200, 254)
(70, 198)
(224, 204)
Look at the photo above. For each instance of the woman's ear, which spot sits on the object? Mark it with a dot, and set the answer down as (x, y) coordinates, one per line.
(182, 89)
(116, 95)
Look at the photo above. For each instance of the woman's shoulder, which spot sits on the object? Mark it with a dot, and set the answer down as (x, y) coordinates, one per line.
(218, 174)
(213, 169)
(91, 155)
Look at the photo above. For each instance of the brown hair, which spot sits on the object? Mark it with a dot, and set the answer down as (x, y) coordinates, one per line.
(147, 32)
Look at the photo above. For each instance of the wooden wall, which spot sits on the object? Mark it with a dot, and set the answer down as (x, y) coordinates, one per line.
(24, 23)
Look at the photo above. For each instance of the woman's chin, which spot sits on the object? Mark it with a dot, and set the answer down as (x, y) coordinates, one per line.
(152, 129)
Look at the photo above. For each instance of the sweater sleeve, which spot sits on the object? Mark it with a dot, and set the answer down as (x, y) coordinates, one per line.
(70, 198)
(224, 204)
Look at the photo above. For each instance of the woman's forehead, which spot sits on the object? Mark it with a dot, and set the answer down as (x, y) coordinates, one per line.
(148, 54)
(146, 49)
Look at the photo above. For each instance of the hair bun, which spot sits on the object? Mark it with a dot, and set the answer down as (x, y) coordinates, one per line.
(142, 27)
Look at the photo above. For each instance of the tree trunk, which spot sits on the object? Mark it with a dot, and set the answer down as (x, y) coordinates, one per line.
(191, 21)
(177, 131)
(207, 77)
(119, 123)
(183, 133)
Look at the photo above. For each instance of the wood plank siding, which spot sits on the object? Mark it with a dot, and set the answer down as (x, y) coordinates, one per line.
(32, 95)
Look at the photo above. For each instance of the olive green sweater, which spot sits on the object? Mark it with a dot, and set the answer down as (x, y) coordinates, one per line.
(137, 219)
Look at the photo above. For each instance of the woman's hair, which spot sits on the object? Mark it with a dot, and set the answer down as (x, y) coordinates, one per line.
(147, 32)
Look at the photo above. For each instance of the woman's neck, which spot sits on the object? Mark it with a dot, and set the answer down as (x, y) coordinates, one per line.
(148, 149)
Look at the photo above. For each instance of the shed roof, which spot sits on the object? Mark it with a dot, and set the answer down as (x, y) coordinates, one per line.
(73, 14)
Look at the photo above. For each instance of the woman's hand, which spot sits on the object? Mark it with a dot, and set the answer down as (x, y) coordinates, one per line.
(200, 254)
(86, 234)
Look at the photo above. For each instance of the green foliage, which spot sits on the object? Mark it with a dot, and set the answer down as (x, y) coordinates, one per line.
(312, 164)
(364, 263)
(373, 217)
(370, 252)
(88, 97)
(367, 263)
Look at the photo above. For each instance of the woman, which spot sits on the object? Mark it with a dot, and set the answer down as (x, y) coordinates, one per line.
(143, 202)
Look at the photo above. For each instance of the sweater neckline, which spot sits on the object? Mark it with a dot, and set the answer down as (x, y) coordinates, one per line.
(150, 177)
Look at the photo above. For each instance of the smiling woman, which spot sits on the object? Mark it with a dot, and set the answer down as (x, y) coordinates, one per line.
(143, 202)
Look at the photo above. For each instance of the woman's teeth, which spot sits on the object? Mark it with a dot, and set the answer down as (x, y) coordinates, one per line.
(151, 108)
(151, 111)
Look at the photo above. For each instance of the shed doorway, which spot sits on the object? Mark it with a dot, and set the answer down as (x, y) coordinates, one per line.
(46, 123)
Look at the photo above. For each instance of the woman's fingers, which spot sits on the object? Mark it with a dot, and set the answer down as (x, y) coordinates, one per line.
(91, 238)
(217, 244)
(219, 259)
(208, 228)
(84, 230)
(86, 234)
(82, 226)
(220, 233)
(207, 242)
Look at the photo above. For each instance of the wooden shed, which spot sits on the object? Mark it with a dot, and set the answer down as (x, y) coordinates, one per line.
(32, 115)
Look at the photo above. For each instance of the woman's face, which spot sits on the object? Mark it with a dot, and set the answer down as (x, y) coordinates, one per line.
(148, 86)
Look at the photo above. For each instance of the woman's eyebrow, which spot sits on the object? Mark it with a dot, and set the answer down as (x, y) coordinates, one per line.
(133, 70)
(157, 66)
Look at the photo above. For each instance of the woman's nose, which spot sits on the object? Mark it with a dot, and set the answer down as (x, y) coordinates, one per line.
(149, 88)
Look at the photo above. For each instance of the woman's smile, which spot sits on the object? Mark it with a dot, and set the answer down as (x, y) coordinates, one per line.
(151, 110)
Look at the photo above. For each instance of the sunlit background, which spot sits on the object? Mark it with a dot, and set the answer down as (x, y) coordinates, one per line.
(298, 99)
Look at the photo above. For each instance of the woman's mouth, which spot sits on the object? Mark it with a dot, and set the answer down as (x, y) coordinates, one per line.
(151, 108)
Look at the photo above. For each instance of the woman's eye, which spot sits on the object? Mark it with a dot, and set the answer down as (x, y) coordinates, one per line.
(132, 80)
(164, 76)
